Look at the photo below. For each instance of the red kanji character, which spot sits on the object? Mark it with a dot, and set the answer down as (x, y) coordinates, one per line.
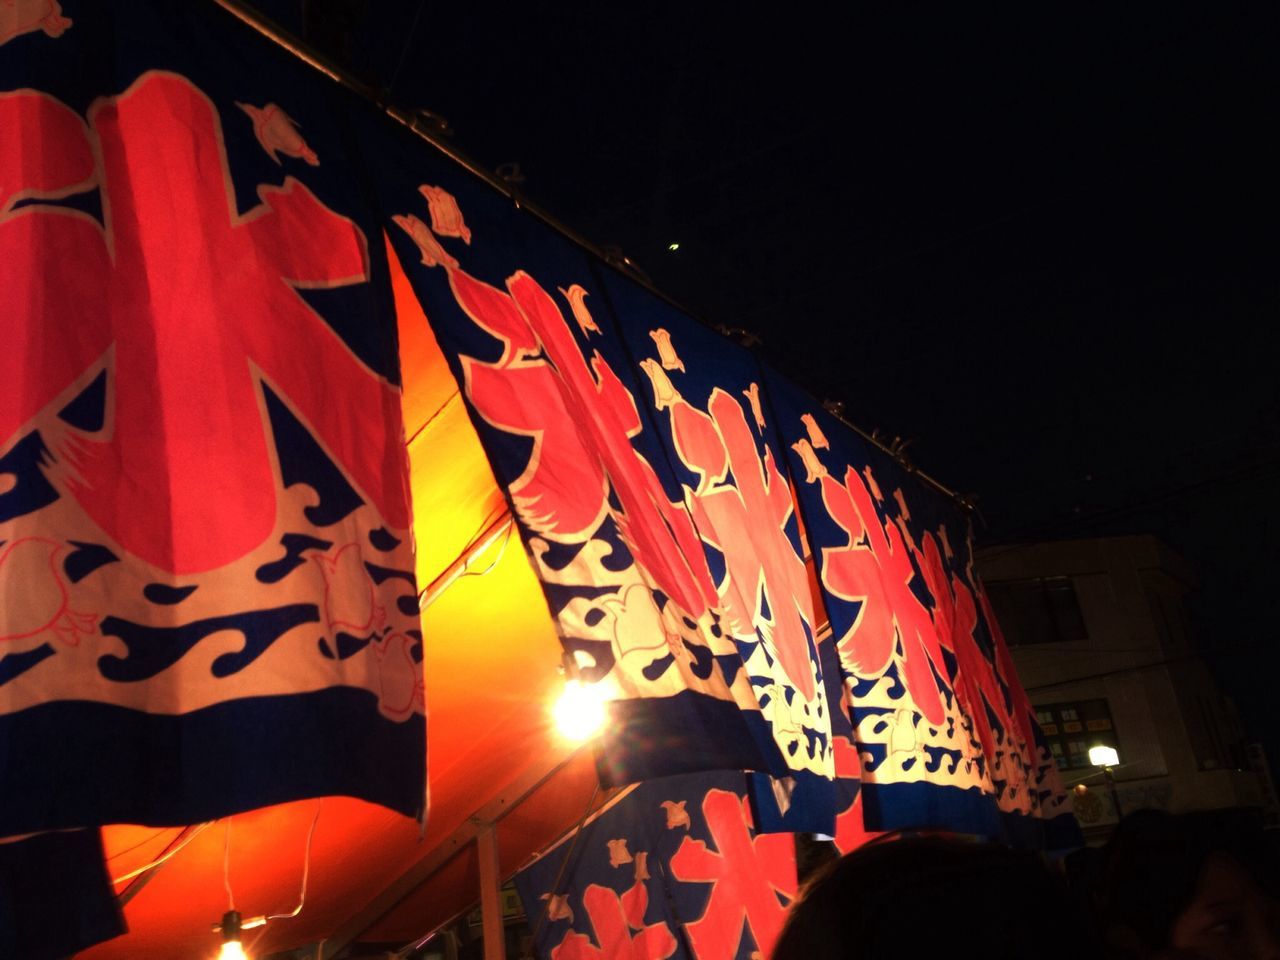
(851, 827)
(612, 925)
(189, 303)
(748, 873)
(746, 521)
(581, 419)
(955, 616)
(875, 570)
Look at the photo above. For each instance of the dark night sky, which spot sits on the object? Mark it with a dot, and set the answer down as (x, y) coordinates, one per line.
(1042, 244)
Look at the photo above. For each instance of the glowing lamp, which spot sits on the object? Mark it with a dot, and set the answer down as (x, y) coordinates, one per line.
(1104, 756)
(232, 948)
(579, 713)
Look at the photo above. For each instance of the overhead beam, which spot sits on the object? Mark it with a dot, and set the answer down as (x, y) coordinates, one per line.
(533, 776)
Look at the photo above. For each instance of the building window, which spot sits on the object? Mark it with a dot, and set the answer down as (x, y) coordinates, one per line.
(1039, 610)
(1072, 728)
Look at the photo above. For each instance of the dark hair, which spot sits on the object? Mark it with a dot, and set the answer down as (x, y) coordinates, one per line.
(928, 896)
(1150, 868)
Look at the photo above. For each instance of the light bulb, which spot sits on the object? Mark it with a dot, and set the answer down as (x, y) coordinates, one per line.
(579, 713)
(1104, 756)
(232, 948)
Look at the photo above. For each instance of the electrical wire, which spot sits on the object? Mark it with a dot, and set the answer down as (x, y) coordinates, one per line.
(302, 895)
(1073, 778)
(141, 843)
(426, 424)
(306, 870)
(495, 561)
(564, 864)
(226, 865)
(178, 843)
(404, 51)
(1034, 537)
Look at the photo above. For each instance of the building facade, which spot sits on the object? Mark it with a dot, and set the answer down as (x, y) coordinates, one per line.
(1102, 642)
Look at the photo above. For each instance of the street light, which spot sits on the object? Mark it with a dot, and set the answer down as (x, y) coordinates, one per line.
(1106, 758)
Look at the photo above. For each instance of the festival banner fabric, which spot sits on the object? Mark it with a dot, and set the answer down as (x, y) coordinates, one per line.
(205, 561)
(659, 522)
(208, 602)
(943, 729)
(204, 531)
(653, 467)
(674, 868)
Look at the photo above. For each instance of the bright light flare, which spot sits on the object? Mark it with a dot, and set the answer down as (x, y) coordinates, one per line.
(1104, 756)
(232, 950)
(579, 713)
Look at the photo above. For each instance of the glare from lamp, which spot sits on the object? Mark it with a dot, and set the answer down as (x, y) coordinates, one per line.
(232, 948)
(1104, 756)
(579, 713)
(673, 247)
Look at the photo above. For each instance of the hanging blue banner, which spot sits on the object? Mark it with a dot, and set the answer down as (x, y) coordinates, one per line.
(941, 724)
(205, 557)
(674, 868)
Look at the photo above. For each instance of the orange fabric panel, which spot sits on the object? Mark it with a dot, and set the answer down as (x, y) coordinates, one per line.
(424, 371)
(355, 845)
(455, 496)
(455, 888)
(548, 813)
(532, 825)
(492, 659)
(453, 485)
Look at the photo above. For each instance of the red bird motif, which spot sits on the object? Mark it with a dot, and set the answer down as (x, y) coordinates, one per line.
(446, 218)
(399, 677)
(349, 594)
(677, 815)
(278, 133)
(31, 581)
(27, 16)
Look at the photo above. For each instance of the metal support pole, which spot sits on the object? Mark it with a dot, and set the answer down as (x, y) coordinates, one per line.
(495, 940)
(1111, 787)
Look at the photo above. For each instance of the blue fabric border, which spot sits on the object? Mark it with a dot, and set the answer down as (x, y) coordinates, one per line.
(921, 806)
(220, 760)
(812, 808)
(661, 736)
